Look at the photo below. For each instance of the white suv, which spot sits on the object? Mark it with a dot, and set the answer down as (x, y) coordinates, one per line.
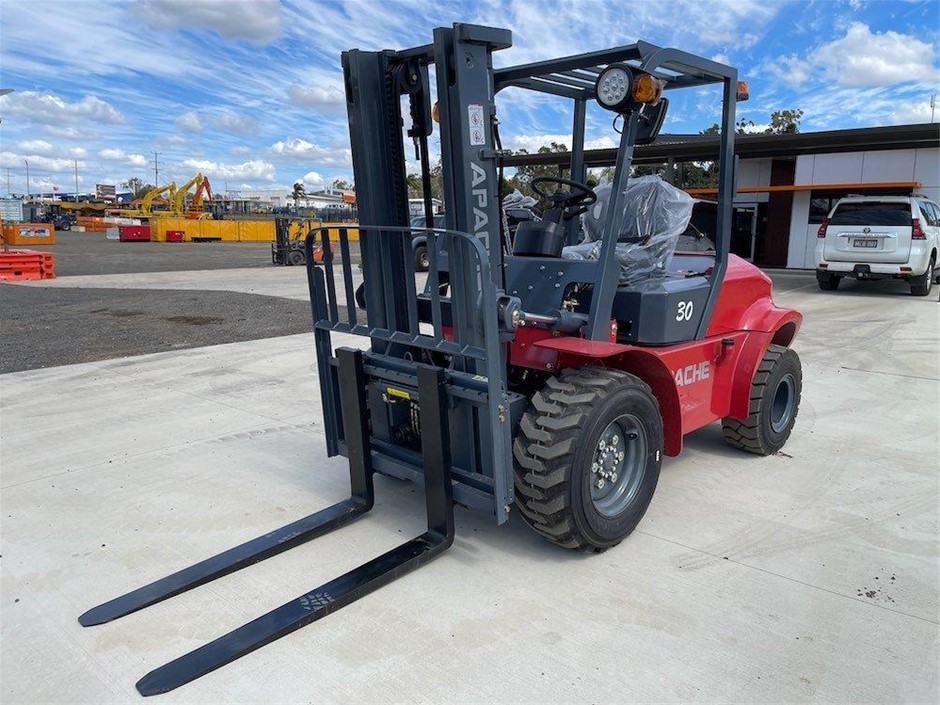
(876, 237)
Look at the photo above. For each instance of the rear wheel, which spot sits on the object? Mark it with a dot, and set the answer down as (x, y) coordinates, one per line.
(828, 282)
(774, 403)
(921, 286)
(587, 457)
(296, 258)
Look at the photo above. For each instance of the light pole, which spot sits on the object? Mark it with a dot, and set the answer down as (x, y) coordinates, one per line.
(28, 196)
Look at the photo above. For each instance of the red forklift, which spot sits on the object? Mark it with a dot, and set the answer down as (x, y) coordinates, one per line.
(535, 374)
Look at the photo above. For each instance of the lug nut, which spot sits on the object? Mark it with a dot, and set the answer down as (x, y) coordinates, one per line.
(600, 483)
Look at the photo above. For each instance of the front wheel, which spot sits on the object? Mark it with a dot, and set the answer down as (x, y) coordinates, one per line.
(774, 403)
(587, 457)
(296, 258)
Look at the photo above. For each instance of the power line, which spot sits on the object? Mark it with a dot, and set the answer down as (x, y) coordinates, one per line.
(156, 168)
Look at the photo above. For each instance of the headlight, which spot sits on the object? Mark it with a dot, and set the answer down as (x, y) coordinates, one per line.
(617, 89)
(614, 87)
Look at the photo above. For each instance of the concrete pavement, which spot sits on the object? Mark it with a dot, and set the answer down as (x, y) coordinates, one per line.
(809, 576)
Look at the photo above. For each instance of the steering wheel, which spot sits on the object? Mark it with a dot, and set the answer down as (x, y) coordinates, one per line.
(571, 202)
(583, 194)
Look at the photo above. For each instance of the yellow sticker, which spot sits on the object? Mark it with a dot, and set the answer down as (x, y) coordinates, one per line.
(400, 393)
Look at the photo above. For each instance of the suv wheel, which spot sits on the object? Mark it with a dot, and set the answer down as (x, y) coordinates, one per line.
(828, 282)
(422, 259)
(921, 286)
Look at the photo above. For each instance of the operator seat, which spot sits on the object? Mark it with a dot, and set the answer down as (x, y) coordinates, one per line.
(654, 215)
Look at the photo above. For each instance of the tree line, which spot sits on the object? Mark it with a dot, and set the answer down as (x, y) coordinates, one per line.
(689, 174)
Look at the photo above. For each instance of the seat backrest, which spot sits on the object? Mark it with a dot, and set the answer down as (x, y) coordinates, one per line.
(654, 215)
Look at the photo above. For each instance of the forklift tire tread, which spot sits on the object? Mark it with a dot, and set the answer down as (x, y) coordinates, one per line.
(756, 434)
(549, 448)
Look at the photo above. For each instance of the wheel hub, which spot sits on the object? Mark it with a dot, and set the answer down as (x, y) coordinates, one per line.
(617, 465)
(781, 410)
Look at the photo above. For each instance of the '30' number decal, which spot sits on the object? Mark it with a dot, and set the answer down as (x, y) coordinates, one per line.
(684, 312)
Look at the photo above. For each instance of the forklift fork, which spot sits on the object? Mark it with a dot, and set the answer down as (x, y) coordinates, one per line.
(341, 591)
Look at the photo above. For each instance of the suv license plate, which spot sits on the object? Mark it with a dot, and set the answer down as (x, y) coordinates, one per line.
(864, 243)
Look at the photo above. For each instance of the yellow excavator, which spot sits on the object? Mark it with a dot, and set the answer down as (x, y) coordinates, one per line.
(195, 209)
(146, 203)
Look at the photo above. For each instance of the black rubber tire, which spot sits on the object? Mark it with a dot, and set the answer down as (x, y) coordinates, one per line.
(921, 286)
(554, 446)
(756, 434)
(828, 282)
(296, 258)
(422, 261)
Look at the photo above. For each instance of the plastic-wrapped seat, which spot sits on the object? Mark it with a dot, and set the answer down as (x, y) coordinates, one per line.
(654, 215)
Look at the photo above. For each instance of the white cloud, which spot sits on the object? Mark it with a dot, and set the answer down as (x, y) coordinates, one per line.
(51, 109)
(240, 150)
(225, 121)
(532, 143)
(326, 98)
(297, 149)
(37, 162)
(722, 58)
(793, 70)
(912, 112)
(230, 121)
(258, 21)
(863, 58)
(119, 155)
(35, 147)
(256, 169)
(70, 133)
(188, 122)
(312, 178)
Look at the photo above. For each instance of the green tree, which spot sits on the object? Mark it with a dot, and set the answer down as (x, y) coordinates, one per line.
(782, 122)
(524, 175)
(342, 185)
(785, 122)
(416, 188)
(137, 186)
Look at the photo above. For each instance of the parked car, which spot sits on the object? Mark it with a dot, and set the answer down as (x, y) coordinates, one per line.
(877, 237)
(420, 243)
(60, 221)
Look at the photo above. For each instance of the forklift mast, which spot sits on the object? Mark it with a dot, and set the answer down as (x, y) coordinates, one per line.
(376, 82)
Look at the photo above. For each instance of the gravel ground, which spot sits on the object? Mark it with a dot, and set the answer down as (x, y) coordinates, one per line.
(93, 253)
(44, 327)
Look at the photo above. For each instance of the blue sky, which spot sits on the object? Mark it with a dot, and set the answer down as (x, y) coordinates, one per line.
(250, 91)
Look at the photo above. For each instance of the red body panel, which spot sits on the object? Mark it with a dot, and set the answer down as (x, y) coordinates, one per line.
(698, 382)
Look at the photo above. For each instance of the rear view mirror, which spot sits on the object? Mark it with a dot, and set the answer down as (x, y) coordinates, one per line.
(649, 121)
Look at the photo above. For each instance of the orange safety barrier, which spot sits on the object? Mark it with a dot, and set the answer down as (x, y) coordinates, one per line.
(26, 264)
